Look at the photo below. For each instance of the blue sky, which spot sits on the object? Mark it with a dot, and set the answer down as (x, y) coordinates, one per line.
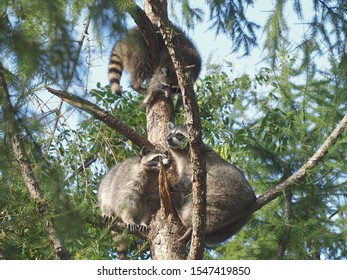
(216, 49)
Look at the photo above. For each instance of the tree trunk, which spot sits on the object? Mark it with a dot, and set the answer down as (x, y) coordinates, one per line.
(165, 229)
(26, 170)
(194, 130)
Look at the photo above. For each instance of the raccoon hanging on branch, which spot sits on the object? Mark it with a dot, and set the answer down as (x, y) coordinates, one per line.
(133, 55)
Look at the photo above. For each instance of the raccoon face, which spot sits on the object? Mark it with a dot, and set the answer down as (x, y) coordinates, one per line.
(150, 159)
(177, 137)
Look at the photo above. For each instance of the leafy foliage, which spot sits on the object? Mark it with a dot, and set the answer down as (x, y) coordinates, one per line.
(230, 17)
(268, 124)
(276, 125)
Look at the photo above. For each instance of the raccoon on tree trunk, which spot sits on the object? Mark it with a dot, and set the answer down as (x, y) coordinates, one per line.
(228, 194)
(129, 191)
(133, 55)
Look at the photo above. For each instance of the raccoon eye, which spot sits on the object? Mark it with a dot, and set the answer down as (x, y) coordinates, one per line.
(156, 159)
(180, 136)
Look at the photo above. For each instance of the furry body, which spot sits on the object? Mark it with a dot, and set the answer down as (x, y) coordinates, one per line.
(129, 191)
(132, 54)
(228, 194)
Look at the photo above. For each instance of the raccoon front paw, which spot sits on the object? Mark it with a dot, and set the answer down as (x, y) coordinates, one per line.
(107, 219)
(143, 228)
(133, 228)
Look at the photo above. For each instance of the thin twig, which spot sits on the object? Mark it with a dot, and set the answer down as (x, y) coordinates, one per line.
(302, 172)
(74, 65)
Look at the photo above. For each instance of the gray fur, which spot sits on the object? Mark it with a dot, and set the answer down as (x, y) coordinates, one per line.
(129, 191)
(228, 193)
(133, 55)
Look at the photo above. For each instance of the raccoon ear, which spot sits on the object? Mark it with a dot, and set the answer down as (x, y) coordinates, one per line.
(170, 125)
(145, 151)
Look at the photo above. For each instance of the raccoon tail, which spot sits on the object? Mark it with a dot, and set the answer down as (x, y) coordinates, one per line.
(115, 69)
(121, 241)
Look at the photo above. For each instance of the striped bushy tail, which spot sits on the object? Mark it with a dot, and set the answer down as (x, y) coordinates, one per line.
(115, 69)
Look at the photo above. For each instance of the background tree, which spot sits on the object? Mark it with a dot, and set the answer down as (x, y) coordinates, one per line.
(269, 124)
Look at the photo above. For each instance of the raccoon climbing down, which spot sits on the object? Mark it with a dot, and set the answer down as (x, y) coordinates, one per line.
(129, 191)
(228, 194)
(133, 55)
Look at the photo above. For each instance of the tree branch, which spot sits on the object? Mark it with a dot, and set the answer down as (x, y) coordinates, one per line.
(102, 115)
(149, 34)
(302, 172)
(80, 44)
(160, 110)
(26, 170)
(194, 130)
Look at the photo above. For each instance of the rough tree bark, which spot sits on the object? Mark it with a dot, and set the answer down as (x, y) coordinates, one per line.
(164, 232)
(165, 228)
(193, 123)
(30, 181)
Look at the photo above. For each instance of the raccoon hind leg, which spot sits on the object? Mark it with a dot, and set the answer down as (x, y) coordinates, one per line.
(158, 84)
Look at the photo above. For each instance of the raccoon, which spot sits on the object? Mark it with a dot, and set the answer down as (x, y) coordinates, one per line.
(133, 55)
(228, 194)
(129, 191)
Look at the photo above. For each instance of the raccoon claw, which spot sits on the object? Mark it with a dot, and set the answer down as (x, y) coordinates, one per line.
(133, 228)
(143, 228)
(107, 219)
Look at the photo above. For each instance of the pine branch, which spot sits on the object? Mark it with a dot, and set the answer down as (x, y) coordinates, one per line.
(194, 131)
(103, 116)
(303, 171)
(72, 73)
(26, 170)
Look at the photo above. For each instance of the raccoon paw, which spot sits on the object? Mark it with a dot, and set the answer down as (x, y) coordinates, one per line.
(107, 219)
(143, 228)
(133, 228)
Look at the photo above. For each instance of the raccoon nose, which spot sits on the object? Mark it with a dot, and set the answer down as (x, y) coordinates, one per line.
(167, 162)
